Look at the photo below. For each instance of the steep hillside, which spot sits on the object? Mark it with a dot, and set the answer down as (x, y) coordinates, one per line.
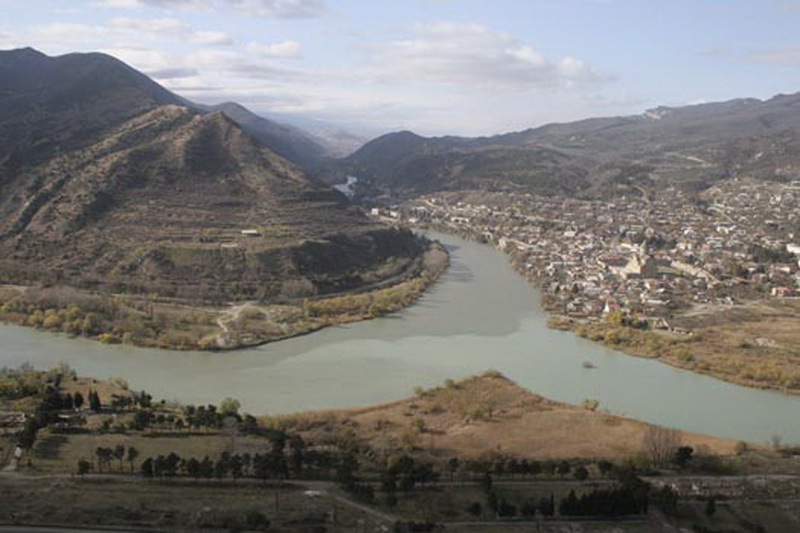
(287, 141)
(52, 104)
(689, 146)
(110, 187)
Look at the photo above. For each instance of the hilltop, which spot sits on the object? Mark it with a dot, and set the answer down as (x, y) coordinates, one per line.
(111, 183)
(490, 414)
(691, 147)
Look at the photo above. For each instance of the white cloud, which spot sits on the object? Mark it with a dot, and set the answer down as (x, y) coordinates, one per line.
(789, 57)
(284, 49)
(155, 63)
(68, 33)
(474, 55)
(160, 27)
(264, 8)
(218, 38)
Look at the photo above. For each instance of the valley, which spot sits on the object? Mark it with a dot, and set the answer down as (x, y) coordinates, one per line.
(124, 458)
(707, 284)
(473, 300)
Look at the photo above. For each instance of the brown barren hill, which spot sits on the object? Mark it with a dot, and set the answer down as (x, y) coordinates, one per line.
(132, 190)
(491, 414)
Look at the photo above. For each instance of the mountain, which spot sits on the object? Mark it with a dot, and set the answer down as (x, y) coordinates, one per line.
(688, 146)
(49, 103)
(338, 140)
(287, 141)
(110, 181)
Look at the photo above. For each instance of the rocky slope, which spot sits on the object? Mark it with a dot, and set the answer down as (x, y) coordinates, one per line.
(111, 181)
(287, 141)
(689, 146)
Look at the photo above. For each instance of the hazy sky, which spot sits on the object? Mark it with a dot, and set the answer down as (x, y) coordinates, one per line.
(434, 66)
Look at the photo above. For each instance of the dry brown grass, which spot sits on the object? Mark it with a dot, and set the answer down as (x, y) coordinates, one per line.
(756, 344)
(487, 414)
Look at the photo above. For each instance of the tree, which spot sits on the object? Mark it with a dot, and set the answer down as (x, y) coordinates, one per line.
(506, 509)
(104, 456)
(492, 503)
(605, 467)
(193, 468)
(486, 482)
(147, 468)
(119, 454)
(236, 466)
(133, 453)
(94, 401)
(298, 449)
(452, 466)
(711, 507)
(547, 506)
(581, 473)
(206, 468)
(528, 509)
(77, 400)
(660, 444)
(229, 407)
(569, 506)
(222, 468)
(84, 467)
(683, 455)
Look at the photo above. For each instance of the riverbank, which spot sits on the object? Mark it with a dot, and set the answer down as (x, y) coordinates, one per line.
(754, 344)
(126, 459)
(150, 321)
(490, 415)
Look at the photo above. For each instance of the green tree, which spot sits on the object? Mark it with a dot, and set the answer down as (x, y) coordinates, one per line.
(581, 473)
(193, 468)
(84, 467)
(119, 454)
(133, 453)
(77, 400)
(711, 507)
(229, 406)
(147, 468)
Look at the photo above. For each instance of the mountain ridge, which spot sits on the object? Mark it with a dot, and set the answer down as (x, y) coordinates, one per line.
(140, 192)
(688, 146)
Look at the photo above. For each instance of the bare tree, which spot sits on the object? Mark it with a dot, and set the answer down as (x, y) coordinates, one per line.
(660, 444)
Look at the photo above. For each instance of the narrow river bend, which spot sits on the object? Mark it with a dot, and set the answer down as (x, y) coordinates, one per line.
(481, 315)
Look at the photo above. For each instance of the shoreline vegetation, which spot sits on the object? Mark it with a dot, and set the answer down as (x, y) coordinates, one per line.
(167, 323)
(482, 438)
(736, 344)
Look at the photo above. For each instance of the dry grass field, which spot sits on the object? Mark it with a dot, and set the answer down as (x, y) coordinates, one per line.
(755, 344)
(491, 414)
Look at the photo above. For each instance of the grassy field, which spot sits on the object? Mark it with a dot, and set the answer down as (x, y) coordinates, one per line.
(184, 507)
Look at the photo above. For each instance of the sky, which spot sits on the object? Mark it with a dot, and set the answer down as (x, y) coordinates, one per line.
(437, 67)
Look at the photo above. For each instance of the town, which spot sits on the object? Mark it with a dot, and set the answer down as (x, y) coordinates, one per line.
(706, 281)
(647, 257)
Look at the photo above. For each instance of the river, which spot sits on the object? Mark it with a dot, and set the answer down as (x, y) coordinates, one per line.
(480, 315)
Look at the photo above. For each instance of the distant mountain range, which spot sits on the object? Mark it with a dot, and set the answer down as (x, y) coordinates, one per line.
(690, 147)
(109, 180)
